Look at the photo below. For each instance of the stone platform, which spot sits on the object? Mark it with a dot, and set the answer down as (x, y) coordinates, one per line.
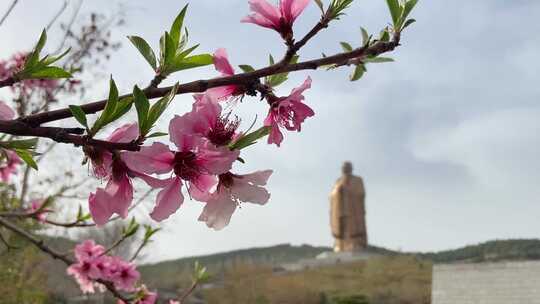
(328, 258)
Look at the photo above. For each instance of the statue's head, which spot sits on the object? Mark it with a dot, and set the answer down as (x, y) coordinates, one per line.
(347, 168)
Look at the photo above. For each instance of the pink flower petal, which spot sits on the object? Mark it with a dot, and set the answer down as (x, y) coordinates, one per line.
(259, 178)
(156, 159)
(218, 211)
(250, 193)
(99, 207)
(125, 134)
(168, 200)
(216, 160)
(264, 14)
(291, 9)
(200, 188)
(6, 113)
(221, 62)
(121, 192)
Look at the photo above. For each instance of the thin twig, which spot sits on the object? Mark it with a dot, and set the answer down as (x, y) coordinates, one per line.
(58, 14)
(9, 10)
(56, 255)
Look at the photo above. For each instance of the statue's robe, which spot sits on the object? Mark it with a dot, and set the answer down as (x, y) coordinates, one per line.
(348, 214)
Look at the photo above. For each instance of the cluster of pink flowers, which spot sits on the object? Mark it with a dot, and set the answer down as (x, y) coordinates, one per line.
(93, 264)
(202, 160)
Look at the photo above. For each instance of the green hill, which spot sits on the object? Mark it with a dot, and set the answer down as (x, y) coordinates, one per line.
(519, 249)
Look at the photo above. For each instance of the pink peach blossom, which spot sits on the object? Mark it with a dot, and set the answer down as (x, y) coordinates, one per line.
(35, 205)
(231, 191)
(197, 161)
(288, 112)
(279, 18)
(9, 164)
(117, 196)
(6, 113)
(222, 65)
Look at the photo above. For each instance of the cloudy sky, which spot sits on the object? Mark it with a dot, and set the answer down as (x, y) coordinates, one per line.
(446, 137)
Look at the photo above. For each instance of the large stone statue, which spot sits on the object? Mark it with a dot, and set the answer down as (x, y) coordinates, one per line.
(348, 212)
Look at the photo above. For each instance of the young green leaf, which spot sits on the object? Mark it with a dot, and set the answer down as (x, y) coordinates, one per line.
(48, 60)
(246, 68)
(358, 72)
(79, 115)
(250, 139)
(409, 5)
(157, 134)
(191, 62)
(26, 156)
(365, 36)
(395, 10)
(145, 50)
(346, 46)
(157, 110)
(320, 5)
(25, 144)
(176, 28)
(142, 105)
(33, 58)
(377, 60)
(408, 23)
(51, 72)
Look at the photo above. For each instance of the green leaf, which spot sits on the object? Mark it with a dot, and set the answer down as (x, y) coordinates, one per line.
(25, 144)
(358, 72)
(246, 68)
(187, 52)
(142, 105)
(48, 60)
(271, 59)
(409, 5)
(190, 63)
(320, 5)
(408, 23)
(176, 28)
(170, 50)
(377, 60)
(395, 10)
(79, 115)
(365, 36)
(346, 46)
(158, 108)
(33, 58)
(250, 139)
(278, 79)
(385, 36)
(122, 107)
(48, 72)
(108, 113)
(26, 156)
(157, 134)
(145, 50)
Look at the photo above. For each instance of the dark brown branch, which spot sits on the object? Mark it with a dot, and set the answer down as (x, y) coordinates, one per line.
(63, 135)
(34, 240)
(199, 86)
(7, 82)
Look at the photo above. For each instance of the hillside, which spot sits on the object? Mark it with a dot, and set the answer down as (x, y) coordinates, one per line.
(518, 249)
